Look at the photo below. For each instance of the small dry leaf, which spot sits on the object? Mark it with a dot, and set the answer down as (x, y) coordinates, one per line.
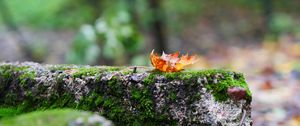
(267, 85)
(171, 62)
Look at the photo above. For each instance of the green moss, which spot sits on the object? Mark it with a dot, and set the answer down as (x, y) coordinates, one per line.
(23, 73)
(56, 117)
(219, 90)
(111, 68)
(230, 79)
(8, 112)
(18, 77)
(80, 71)
(62, 67)
(98, 100)
(5, 71)
(26, 75)
(66, 100)
(172, 95)
(5, 77)
(86, 72)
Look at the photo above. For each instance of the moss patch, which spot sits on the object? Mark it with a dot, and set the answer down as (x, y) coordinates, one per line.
(56, 117)
(218, 81)
(8, 112)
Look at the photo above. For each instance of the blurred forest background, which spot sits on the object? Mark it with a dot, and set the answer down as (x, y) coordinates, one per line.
(260, 38)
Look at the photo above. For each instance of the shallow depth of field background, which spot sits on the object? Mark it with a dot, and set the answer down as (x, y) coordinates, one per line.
(260, 38)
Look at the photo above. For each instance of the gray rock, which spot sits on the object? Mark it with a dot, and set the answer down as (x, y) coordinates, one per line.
(146, 96)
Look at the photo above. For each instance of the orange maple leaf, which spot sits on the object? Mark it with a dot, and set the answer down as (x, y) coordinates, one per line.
(171, 62)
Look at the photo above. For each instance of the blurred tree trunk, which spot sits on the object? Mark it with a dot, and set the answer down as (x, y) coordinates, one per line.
(267, 7)
(157, 26)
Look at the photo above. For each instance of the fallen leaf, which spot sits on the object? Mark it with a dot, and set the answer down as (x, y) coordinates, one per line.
(171, 62)
(267, 85)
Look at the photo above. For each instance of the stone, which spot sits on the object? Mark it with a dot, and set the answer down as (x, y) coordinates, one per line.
(143, 97)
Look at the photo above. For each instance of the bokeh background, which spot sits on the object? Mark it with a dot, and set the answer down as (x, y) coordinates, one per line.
(260, 38)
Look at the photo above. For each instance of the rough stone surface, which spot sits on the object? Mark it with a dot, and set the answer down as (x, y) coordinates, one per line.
(126, 96)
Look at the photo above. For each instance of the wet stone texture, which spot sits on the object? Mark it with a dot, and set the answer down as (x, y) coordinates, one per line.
(129, 95)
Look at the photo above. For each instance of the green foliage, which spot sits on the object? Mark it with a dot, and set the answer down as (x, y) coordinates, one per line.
(282, 23)
(49, 14)
(84, 49)
(182, 13)
(117, 32)
(114, 36)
